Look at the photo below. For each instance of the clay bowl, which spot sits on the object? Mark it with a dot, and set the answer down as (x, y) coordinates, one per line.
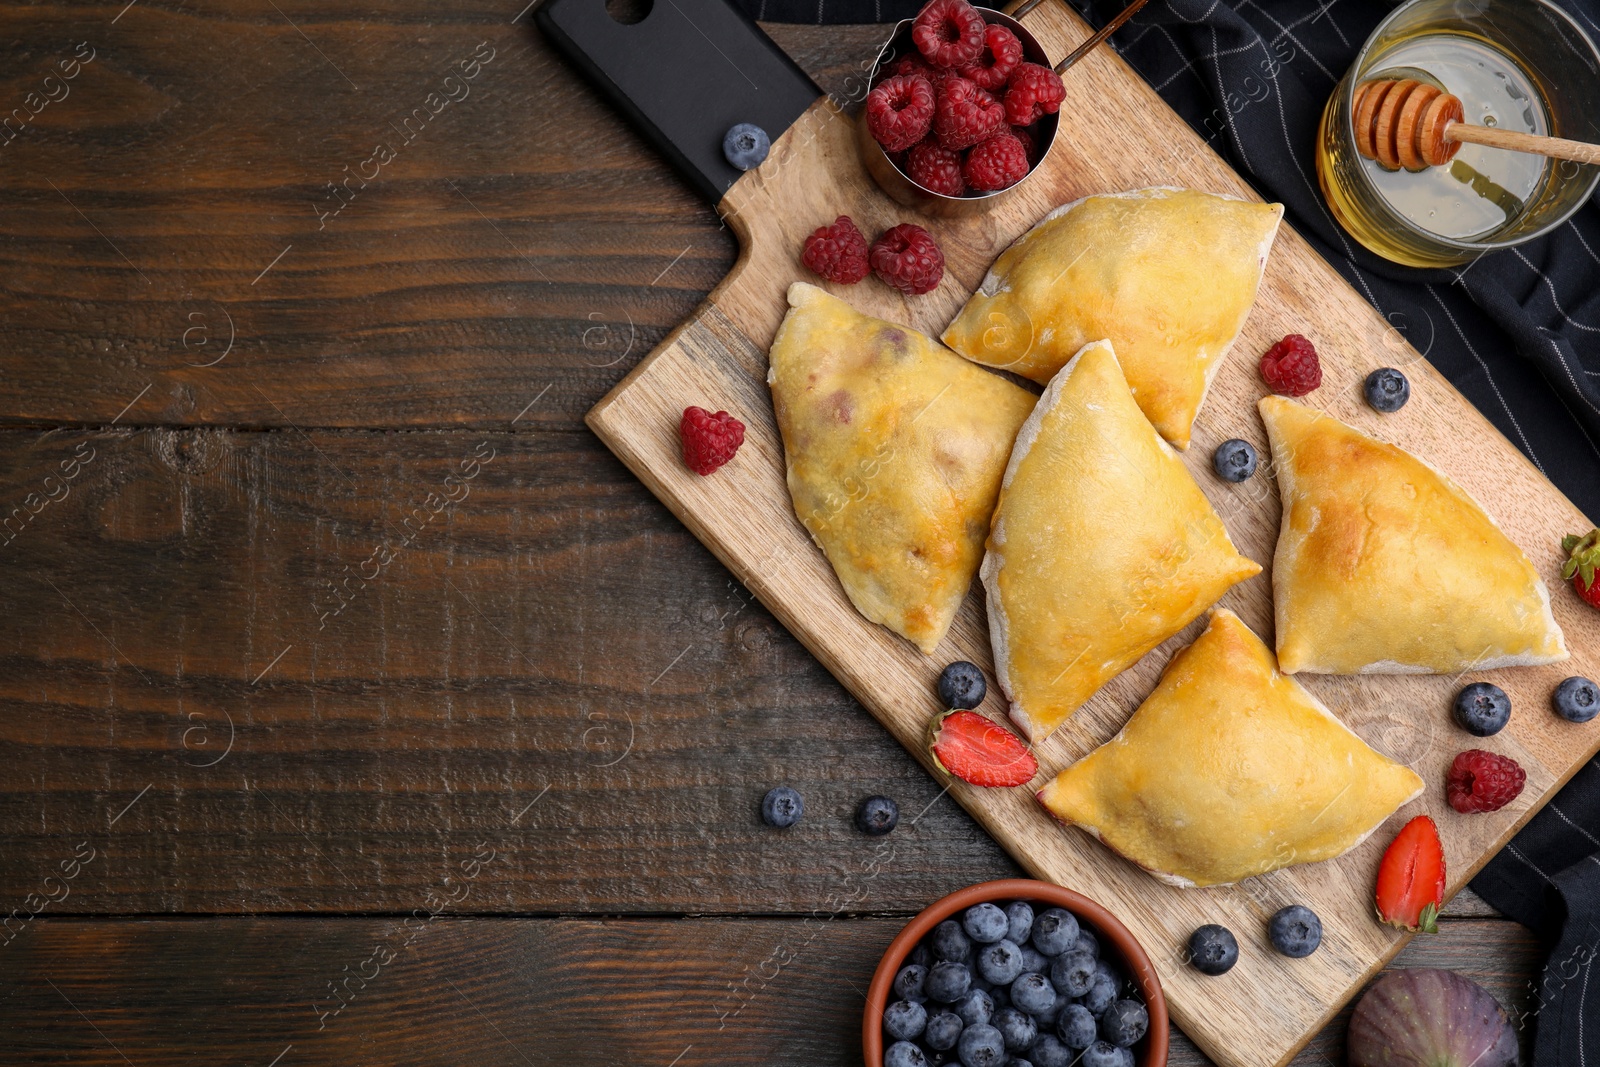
(1116, 943)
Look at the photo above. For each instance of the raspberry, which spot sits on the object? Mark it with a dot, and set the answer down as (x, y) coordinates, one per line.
(837, 252)
(1290, 367)
(949, 33)
(1032, 92)
(965, 114)
(1483, 781)
(936, 168)
(998, 163)
(709, 440)
(1000, 56)
(1025, 135)
(911, 63)
(907, 258)
(899, 111)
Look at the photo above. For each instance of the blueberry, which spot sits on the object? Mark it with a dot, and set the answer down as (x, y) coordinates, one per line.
(1055, 931)
(904, 1019)
(1387, 390)
(1034, 960)
(984, 923)
(922, 954)
(982, 1046)
(1019, 1063)
(975, 1007)
(911, 983)
(1033, 993)
(1019, 916)
(943, 1031)
(745, 145)
(950, 942)
(1000, 962)
(1124, 1023)
(1295, 931)
(1048, 1051)
(1105, 1054)
(1087, 942)
(1016, 1027)
(1101, 994)
(1076, 1027)
(1482, 709)
(1234, 460)
(1001, 995)
(781, 807)
(1072, 973)
(948, 982)
(961, 685)
(1213, 950)
(877, 816)
(1577, 700)
(904, 1054)
(1047, 1018)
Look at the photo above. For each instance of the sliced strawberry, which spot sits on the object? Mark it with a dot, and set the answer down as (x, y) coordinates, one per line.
(980, 751)
(1411, 878)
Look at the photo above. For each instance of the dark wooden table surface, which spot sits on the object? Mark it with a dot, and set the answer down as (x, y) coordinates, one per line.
(358, 706)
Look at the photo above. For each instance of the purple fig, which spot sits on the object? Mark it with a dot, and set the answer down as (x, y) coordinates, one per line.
(1430, 1018)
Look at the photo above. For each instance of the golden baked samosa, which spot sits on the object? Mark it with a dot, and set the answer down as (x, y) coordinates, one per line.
(1230, 769)
(1385, 566)
(1102, 546)
(1166, 275)
(895, 447)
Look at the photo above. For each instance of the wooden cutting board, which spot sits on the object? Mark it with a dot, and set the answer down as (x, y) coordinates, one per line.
(1117, 134)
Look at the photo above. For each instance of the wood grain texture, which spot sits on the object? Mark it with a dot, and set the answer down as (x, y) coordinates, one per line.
(554, 629)
(523, 237)
(513, 992)
(744, 515)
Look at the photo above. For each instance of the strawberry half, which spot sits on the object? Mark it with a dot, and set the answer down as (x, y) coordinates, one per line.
(980, 751)
(1583, 560)
(1411, 878)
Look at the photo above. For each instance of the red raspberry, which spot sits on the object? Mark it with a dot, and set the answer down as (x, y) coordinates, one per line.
(709, 440)
(998, 163)
(936, 168)
(1025, 135)
(1483, 781)
(907, 258)
(965, 114)
(837, 252)
(1032, 92)
(910, 63)
(1290, 367)
(949, 33)
(1000, 56)
(899, 111)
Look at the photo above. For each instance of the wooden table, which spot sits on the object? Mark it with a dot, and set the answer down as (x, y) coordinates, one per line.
(359, 706)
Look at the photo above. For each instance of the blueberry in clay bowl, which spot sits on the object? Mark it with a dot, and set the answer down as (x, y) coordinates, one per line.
(1020, 971)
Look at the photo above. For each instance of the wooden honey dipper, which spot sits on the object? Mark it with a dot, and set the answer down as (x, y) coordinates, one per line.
(1411, 124)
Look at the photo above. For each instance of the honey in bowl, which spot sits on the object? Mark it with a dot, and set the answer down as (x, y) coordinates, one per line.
(1521, 66)
(1483, 188)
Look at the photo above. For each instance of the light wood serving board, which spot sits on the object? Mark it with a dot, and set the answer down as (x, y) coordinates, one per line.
(1117, 134)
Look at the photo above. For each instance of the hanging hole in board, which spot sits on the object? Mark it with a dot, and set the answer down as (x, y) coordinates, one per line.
(628, 12)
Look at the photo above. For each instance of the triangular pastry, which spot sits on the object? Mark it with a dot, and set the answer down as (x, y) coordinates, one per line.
(1229, 769)
(1167, 275)
(1102, 546)
(895, 447)
(1385, 566)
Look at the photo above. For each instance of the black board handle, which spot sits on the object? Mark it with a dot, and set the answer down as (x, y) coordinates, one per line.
(683, 75)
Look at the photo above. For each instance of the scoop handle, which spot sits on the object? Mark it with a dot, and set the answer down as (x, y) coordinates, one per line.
(1554, 147)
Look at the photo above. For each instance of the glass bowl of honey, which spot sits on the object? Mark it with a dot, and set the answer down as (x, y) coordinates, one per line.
(1522, 65)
